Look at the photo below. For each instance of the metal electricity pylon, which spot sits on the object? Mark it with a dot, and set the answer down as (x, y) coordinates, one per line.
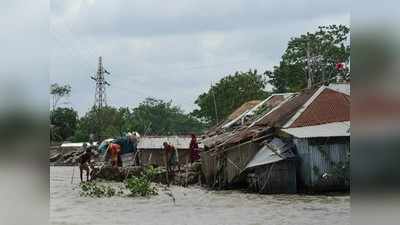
(100, 99)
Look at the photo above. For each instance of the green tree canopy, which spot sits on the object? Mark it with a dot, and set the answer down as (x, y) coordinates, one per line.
(322, 50)
(151, 117)
(229, 94)
(63, 121)
(155, 116)
(103, 123)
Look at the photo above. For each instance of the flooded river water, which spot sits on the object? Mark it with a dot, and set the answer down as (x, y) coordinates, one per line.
(193, 206)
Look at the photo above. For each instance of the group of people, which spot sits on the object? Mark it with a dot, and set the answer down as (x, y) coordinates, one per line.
(115, 148)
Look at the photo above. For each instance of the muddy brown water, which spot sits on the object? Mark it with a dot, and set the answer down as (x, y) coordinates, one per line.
(194, 205)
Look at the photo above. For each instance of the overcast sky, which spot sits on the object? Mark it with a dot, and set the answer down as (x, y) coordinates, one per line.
(173, 50)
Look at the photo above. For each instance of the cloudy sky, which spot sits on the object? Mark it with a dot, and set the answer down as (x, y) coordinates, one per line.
(173, 50)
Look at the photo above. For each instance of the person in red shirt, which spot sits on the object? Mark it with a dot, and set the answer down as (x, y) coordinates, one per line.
(194, 149)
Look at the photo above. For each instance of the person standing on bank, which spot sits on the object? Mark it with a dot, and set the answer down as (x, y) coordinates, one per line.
(194, 149)
(171, 156)
(84, 162)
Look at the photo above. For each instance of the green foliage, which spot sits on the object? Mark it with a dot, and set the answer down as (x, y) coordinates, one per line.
(104, 122)
(151, 117)
(163, 118)
(230, 93)
(64, 122)
(95, 190)
(327, 46)
(141, 186)
(136, 187)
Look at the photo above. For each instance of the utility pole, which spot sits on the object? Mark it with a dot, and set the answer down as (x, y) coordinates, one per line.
(215, 104)
(309, 73)
(100, 92)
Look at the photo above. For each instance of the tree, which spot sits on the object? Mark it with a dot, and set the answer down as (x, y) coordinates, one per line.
(63, 121)
(154, 116)
(102, 122)
(58, 92)
(151, 117)
(228, 94)
(315, 53)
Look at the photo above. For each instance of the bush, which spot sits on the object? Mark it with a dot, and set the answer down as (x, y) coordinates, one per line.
(141, 186)
(92, 189)
(137, 186)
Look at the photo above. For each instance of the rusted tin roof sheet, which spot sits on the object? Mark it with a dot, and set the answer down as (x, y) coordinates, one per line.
(328, 107)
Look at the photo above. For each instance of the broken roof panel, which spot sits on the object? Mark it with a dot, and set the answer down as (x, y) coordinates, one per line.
(243, 109)
(281, 113)
(274, 151)
(265, 105)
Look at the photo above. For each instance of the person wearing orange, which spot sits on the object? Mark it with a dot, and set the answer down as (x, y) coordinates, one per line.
(114, 153)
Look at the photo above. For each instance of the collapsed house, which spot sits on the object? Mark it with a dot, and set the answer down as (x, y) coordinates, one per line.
(273, 169)
(231, 146)
(288, 142)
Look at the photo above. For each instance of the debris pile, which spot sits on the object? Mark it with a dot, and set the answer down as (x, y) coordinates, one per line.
(188, 175)
(70, 157)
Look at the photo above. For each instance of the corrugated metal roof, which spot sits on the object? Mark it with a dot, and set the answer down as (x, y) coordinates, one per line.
(281, 113)
(326, 106)
(156, 142)
(271, 102)
(336, 129)
(243, 109)
(272, 152)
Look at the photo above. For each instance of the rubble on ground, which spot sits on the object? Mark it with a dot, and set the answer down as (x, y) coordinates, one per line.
(187, 175)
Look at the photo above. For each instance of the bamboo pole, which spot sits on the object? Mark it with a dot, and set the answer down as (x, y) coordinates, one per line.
(187, 171)
(73, 173)
(166, 167)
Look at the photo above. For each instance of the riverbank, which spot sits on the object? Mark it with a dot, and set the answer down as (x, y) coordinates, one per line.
(193, 205)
